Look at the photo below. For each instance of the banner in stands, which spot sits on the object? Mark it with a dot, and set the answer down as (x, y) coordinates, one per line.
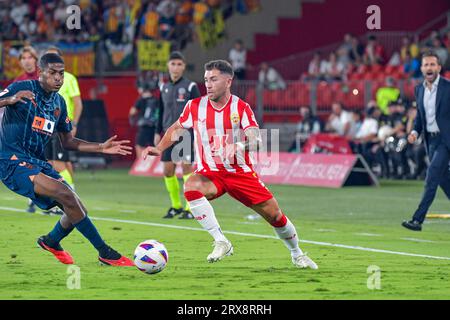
(153, 55)
(212, 30)
(79, 58)
(120, 56)
(327, 143)
(318, 170)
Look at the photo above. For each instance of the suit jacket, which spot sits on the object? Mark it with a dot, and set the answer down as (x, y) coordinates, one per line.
(442, 111)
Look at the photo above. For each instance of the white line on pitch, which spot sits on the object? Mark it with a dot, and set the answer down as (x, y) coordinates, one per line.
(337, 245)
(127, 211)
(368, 234)
(418, 240)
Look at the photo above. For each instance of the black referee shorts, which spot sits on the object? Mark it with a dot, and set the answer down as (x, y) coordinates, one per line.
(54, 150)
(181, 151)
(145, 136)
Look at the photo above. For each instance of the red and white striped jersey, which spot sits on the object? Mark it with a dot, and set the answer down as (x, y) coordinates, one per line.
(214, 129)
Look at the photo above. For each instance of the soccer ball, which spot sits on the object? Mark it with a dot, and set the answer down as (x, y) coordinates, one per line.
(151, 256)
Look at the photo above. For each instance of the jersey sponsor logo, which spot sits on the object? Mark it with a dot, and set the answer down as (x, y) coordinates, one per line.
(181, 94)
(43, 125)
(4, 92)
(57, 112)
(235, 117)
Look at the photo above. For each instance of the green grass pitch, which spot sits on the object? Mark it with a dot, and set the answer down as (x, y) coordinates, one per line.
(339, 228)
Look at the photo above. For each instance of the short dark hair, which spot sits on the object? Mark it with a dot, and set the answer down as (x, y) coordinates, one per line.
(176, 55)
(431, 53)
(221, 65)
(48, 58)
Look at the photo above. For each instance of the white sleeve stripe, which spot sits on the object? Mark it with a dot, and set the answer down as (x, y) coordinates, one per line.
(191, 86)
(245, 123)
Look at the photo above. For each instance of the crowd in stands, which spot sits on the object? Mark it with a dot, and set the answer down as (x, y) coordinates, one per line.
(377, 131)
(380, 138)
(116, 20)
(355, 61)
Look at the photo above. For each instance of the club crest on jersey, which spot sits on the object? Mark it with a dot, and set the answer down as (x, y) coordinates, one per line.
(181, 94)
(235, 118)
(43, 125)
(57, 112)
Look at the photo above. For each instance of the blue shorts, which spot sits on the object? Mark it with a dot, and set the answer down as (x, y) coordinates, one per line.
(17, 176)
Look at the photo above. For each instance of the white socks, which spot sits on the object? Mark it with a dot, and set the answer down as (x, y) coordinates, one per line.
(204, 214)
(288, 235)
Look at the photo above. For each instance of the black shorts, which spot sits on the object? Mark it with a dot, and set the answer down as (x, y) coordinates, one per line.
(54, 150)
(180, 151)
(145, 136)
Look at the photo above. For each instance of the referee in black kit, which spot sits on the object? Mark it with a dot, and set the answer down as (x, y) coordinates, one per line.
(174, 96)
(433, 120)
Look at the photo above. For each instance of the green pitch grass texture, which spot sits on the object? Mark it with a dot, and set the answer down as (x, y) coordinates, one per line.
(260, 268)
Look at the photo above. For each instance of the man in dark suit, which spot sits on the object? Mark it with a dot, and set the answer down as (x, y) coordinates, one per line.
(433, 120)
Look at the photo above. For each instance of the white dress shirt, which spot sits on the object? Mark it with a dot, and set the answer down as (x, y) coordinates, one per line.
(429, 103)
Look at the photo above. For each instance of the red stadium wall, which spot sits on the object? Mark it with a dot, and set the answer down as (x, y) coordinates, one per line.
(118, 94)
(326, 22)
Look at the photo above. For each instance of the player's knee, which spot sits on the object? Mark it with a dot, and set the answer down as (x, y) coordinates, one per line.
(192, 184)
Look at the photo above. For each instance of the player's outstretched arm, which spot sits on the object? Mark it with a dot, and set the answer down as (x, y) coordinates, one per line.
(110, 146)
(169, 138)
(18, 97)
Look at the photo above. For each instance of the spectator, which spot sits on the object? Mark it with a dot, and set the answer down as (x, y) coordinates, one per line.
(269, 78)
(339, 121)
(308, 125)
(28, 27)
(345, 50)
(409, 48)
(411, 67)
(387, 94)
(28, 59)
(440, 50)
(366, 137)
(315, 67)
(238, 58)
(9, 28)
(357, 52)
(150, 23)
(332, 69)
(114, 18)
(167, 10)
(19, 11)
(374, 52)
(355, 124)
(201, 12)
(60, 14)
(183, 19)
